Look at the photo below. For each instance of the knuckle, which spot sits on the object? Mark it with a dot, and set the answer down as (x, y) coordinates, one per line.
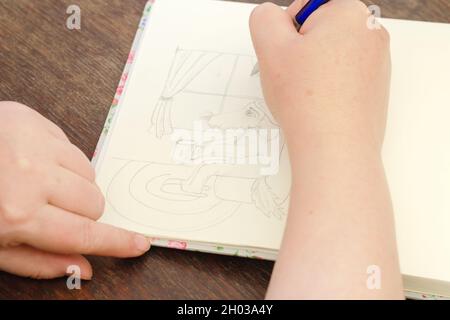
(14, 225)
(90, 174)
(267, 6)
(261, 11)
(76, 151)
(13, 215)
(25, 166)
(27, 169)
(355, 6)
(59, 132)
(352, 12)
(83, 162)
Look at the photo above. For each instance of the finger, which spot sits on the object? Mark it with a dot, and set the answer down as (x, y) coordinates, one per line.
(72, 158)
(74, 193)
(60, 231)
(51, 127)
(55, 131)
(29, 262)
(271, 28)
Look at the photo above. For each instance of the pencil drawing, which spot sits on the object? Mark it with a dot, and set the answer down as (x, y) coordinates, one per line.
(218, 90)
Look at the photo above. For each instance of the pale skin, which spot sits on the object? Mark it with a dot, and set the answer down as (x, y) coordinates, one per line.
(328, 88)
(49, 201)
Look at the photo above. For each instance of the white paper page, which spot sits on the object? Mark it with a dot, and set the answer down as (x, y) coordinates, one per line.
(194, 63)
(417, 153)
(417, 145)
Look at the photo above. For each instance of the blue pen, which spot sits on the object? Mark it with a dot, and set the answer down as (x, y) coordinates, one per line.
(300, 19)
(307, 10)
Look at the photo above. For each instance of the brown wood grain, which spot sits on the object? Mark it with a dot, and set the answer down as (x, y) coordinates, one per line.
(70, 77)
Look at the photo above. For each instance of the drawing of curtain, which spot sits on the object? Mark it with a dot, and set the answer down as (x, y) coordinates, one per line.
(186, 67)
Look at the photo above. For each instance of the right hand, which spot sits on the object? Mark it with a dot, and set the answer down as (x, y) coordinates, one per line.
(328, 87)
(331, 81)
(49, 201)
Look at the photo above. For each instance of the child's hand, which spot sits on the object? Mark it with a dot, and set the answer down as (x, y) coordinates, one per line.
(332, 79)
(49, 201)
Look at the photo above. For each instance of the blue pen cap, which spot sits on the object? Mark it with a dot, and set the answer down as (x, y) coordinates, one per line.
(307, 10)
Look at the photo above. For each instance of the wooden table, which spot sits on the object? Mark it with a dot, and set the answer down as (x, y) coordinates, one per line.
(70, 77)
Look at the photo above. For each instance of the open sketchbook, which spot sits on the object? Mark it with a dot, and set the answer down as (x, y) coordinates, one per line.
(187, 85)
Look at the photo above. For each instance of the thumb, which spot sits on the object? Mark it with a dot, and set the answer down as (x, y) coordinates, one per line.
(271, 28)
(26, 261)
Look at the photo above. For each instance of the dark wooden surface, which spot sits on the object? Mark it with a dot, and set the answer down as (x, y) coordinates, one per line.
(70, 77)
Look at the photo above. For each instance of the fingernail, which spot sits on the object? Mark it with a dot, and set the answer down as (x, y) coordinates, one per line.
(142, 243)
